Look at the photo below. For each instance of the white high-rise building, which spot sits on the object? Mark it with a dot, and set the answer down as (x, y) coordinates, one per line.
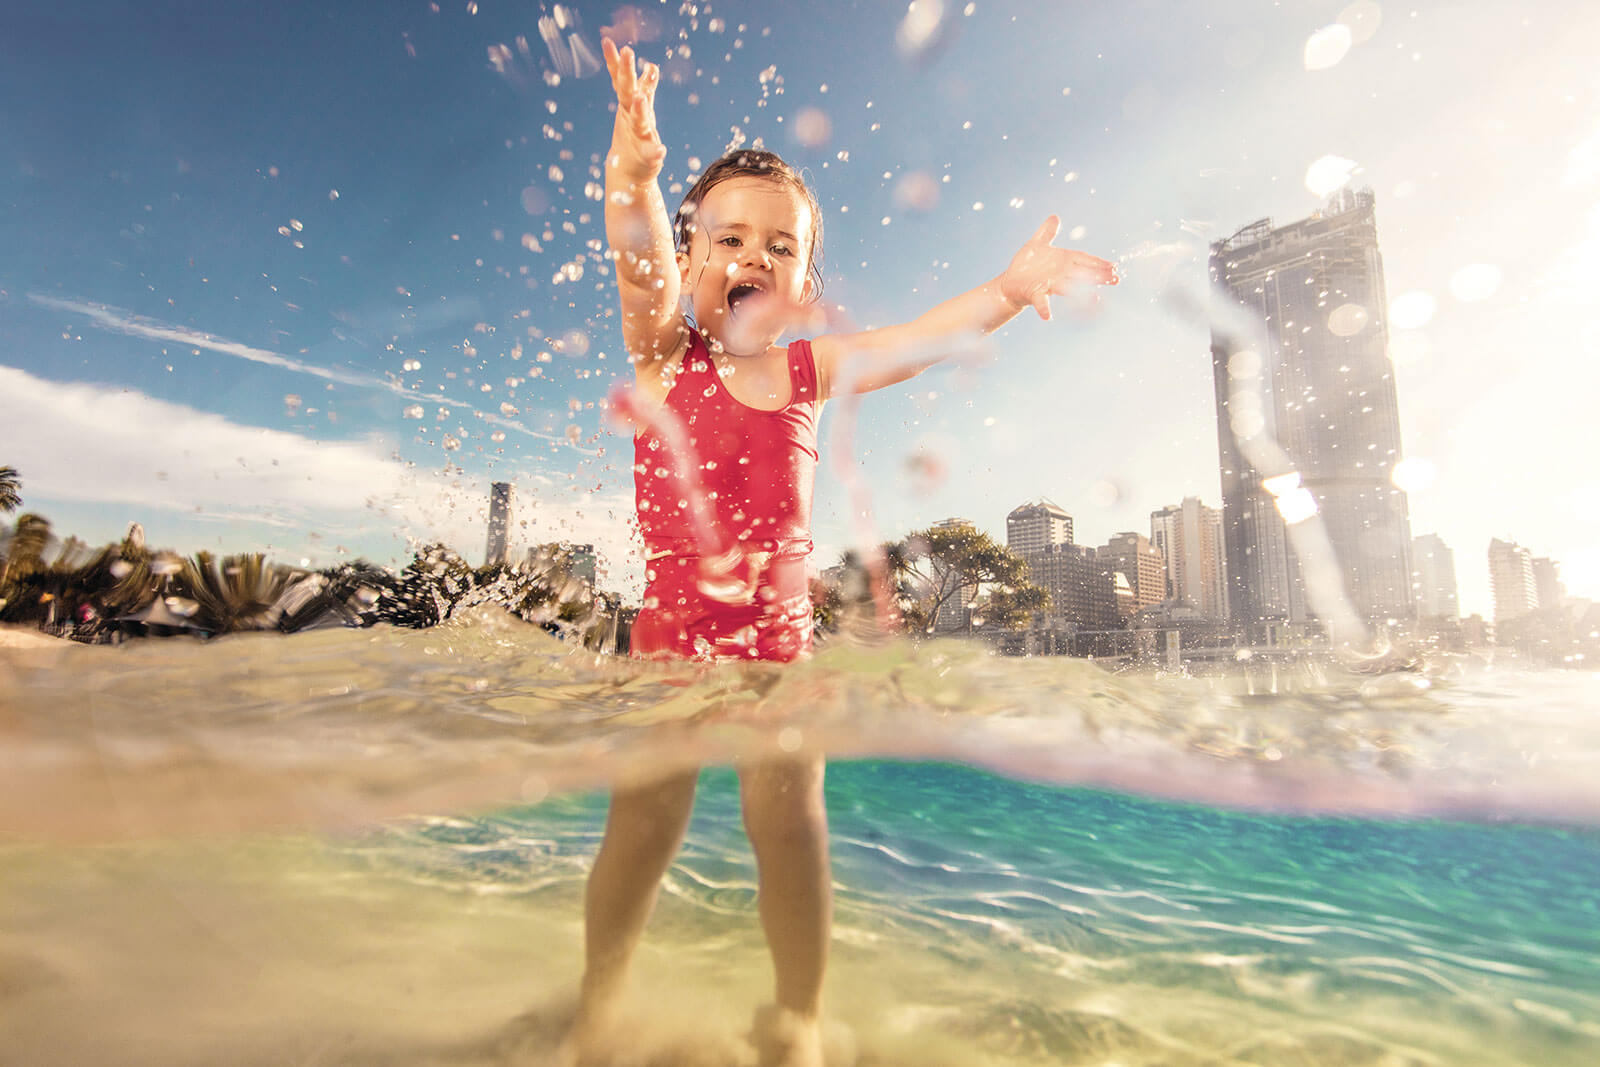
(1433, 572)
(500, 498)
(1189, 536)
(1037, 527)
(1547, 583)
(1511, 580)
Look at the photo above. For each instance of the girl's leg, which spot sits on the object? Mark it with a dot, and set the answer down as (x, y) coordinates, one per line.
(787, 820)
(644, 827)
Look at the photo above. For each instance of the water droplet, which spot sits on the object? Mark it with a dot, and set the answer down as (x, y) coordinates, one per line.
(411, 364)
(414, 411)
(812, 127)
(1347, 320)
(1245, 363)
(1104, 494)
(919, 30)
(916, 191)
(1411, 311)
(1329, 174)
(1327, 46)
(509, 410)
(1413, 474)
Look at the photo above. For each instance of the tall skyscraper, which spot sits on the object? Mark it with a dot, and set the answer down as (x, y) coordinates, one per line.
(1306, 413)
(1434, 577)
(1511, 580)
(1189, 537)
(500, 495)
(1036, 526)
(1142, 564)
(1547, 582)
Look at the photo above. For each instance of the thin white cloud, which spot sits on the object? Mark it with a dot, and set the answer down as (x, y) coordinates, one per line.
(94, 444)
(117, 320)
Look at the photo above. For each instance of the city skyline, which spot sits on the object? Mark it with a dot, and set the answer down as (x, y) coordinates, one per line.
(326, 331)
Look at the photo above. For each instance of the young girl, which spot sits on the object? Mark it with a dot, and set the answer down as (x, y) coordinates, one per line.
(723, 405)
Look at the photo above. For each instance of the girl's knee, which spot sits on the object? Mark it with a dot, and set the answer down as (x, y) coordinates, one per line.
(783, 800)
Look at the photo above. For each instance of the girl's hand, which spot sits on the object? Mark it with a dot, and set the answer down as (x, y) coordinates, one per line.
(636, 148)
(1040, 269)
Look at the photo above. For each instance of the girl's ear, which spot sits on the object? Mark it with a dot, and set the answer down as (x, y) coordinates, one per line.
(683, 269)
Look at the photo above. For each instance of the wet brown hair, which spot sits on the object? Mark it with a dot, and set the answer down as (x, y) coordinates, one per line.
(754, 163)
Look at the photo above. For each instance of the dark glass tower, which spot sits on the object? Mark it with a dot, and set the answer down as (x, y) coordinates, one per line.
(1306, 400)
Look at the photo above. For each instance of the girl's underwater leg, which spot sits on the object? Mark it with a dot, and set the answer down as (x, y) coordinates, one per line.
(644, 827)
(787, 820)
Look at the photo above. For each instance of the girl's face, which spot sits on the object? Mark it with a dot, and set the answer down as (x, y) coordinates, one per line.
(746, 266)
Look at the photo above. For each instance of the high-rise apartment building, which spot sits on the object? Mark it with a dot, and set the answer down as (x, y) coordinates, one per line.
(1189, 537)
(1142, 564)
(1547, 582)
(500, 498)
(1081, 587)
(1306, 413)
(1037, 526)
(1511, 580)
(1433, 571)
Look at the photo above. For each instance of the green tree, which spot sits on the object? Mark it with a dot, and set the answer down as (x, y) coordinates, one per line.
(10, 489)
(932, 567)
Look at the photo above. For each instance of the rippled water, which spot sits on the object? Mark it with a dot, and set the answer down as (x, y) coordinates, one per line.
(1165, 870)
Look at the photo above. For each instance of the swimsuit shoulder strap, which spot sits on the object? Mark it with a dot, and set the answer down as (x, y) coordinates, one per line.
(802, 373)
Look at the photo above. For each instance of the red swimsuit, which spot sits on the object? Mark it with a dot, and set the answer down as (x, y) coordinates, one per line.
(727, 579)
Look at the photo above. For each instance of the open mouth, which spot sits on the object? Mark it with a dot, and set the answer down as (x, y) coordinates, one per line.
(739, 293)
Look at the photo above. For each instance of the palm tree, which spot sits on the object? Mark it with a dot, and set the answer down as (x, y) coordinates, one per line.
(10, 489)
(22, 552)
(28, 542)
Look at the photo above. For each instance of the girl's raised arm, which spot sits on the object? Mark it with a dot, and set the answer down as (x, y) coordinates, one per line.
(637, 227)
(872, 359)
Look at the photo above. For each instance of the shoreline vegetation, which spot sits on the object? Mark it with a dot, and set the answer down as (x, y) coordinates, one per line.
(123, 590)
(66, 588)
(70, 590)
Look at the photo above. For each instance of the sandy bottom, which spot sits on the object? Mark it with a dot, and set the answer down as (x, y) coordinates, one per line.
(269, 954)
(283, 951)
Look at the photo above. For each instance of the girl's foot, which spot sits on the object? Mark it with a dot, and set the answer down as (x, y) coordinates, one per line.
(786, 1038)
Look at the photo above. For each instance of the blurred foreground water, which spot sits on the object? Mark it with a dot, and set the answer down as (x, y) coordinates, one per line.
(369, 847)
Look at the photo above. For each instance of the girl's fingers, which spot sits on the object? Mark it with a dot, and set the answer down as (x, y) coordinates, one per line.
(1047, 232)
(1041, 304)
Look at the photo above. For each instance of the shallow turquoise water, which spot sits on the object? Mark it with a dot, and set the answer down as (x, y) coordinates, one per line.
(1490, 933)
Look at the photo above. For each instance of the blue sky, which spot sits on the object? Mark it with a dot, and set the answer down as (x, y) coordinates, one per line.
(277, 275)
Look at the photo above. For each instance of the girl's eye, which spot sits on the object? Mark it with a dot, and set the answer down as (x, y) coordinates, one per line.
(780, 250)
(731, 242)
